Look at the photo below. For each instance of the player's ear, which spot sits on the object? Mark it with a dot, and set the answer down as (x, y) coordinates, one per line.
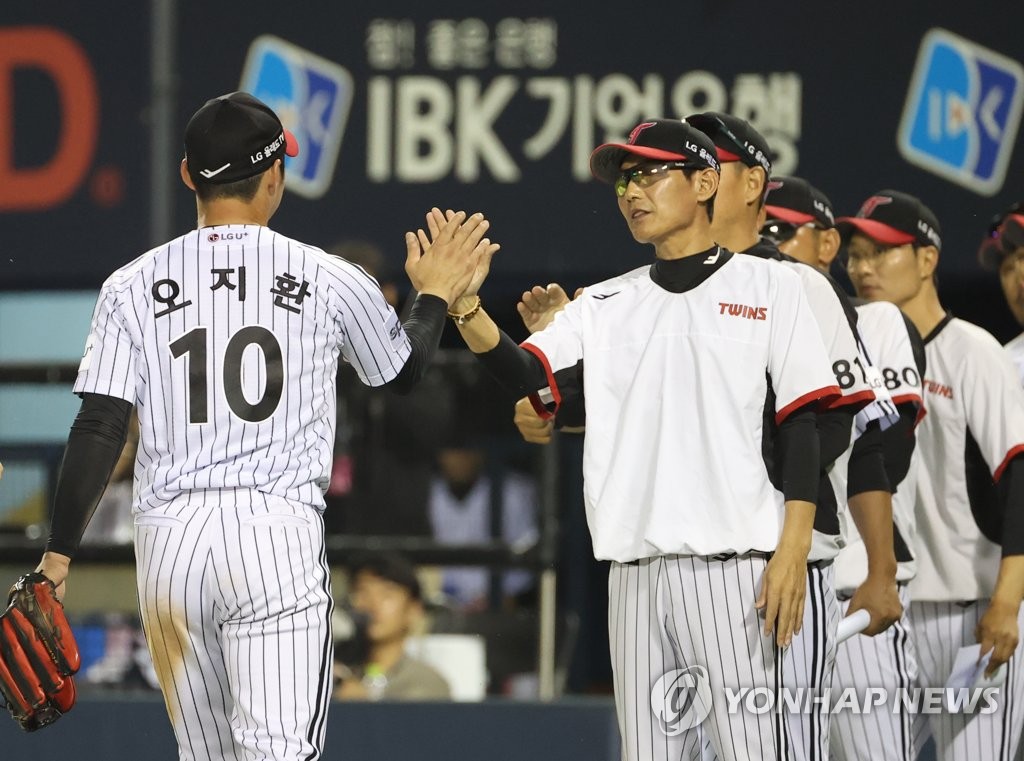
(185, 176)
(755, 181)
(275, 178)
(706, 184)
(927, 261)
(828, 247)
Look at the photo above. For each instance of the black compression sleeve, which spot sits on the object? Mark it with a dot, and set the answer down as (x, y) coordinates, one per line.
(424, 326)
(1012, 491)
(898, 442)
(94, 444)
(799, 450)
(867, 464)
(834, 429)
(516, 369)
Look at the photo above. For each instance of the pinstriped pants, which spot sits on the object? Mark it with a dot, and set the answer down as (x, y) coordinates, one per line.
(886, 661)
(940, 629)
(678, 612)
(236, 606)
(809, 663)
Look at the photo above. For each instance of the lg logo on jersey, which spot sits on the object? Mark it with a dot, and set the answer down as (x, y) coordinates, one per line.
(215, 237)
(742, 310)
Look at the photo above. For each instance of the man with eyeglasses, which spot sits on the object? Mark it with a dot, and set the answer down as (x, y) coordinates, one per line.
(970, 496)
(1002, 251)
(679, 357)
(871, 571)
(746, 167)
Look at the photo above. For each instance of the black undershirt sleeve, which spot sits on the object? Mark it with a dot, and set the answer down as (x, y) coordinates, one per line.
(94, 444)
(898, 441)
(866, 470)
(1011, 487)
(423, 326)
(798, 448)
(834, 430)
(516, 370)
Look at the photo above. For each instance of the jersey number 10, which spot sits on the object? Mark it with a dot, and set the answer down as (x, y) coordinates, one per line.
(193, 344)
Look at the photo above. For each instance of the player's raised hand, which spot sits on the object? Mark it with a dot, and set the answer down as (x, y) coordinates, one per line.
(445, 263)
(532, 426)
(997, 631)
(539, 305)
(485, 251)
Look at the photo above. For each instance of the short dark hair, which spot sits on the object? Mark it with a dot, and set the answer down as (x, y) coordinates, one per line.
(243, 190)
(389, 566)
(709, 205)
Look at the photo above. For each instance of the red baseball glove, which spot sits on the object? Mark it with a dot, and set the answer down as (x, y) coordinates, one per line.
(38, 654)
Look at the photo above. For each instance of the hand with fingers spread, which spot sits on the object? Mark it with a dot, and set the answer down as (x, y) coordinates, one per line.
(436, 223)
(445, 263)
(539, 306)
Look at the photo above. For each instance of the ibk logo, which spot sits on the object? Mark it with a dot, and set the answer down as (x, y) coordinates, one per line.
(62, 60)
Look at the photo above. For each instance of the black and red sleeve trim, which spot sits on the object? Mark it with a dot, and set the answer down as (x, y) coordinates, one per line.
(823, 396)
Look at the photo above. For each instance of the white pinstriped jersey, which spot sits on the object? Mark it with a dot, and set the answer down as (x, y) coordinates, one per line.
(884, 330)
(228, 340)
(974, 427)
(1015, 349)
(676, 385)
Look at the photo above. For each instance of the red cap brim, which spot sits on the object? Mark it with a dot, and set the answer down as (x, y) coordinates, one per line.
(788, 215)
(877, 231)
(291, 145)
(724, 155)
(606, 160)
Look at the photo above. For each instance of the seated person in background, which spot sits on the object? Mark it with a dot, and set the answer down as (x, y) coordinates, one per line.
(385, 589)
(462, 511)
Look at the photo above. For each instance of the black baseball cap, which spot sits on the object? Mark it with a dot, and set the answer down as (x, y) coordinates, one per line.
(234, 137)
(1005, 235)
(795, 200)
(895, 219)
(660, 139)
(389, 566)
(735, 139)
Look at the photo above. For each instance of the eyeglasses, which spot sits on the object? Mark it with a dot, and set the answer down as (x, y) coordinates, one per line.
(644, 175)
(778, 231)
(872, 256)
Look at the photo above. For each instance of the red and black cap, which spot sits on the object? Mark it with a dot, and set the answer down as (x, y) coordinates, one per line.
(234, 137)
(656, 139)
(894, 219)
(1005, 235)
(735, 139)
(795, 200)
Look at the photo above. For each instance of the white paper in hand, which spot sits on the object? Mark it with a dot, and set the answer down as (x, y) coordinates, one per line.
(968, 673)
(855, 623)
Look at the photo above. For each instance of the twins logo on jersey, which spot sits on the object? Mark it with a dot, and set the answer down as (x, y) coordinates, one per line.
(312, 96)
(962, 112)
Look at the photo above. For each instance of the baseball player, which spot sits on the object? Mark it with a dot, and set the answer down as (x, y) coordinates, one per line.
(970, 492)
(679, 359)
(1002, 251)
(877, 553)
(746, 166)
(746, 169)
(228, 339)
